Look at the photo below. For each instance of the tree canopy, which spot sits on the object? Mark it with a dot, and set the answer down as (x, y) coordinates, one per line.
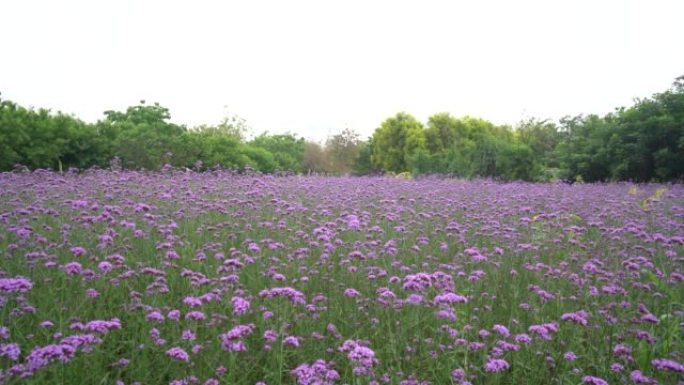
(643, 142)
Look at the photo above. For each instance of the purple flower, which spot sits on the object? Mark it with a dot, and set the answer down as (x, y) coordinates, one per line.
(92, 293)
(73, 268)
(579, 317)
(458, 374)
(318, 373)
(591, 380)
(230, 341)
(522, 338)
(15, 285)
(291, 341)
(174, 315)
(178, 354)
(195, 316)
(78, 251)
(668, 365)
(103, 326)
(622, 350)
(155, 316)
(295, 296)
(188, 335)
(362, 357)
(414, 299)
(496, 365)
(11, 351)
(639, 378)
(502, 330)
(240, 305)
(270, 335)
(42, 356)
(104, 266)
(544, 330)
(47, 324)
(449, 298)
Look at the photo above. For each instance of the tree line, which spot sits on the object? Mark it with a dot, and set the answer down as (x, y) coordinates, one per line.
(644, 142)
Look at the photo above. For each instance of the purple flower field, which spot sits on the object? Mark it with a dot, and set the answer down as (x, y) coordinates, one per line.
(215, 278)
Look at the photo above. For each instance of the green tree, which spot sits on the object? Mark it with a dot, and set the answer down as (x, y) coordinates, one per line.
(287, 150)
(395, 141)
(363, 164)
(143, 136)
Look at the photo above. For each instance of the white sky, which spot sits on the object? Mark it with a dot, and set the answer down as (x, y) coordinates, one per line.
(316, 67)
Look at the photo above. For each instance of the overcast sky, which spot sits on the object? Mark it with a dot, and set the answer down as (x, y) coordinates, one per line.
(316, 67)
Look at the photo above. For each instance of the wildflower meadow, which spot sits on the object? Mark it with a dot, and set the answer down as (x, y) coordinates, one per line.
(182, 277)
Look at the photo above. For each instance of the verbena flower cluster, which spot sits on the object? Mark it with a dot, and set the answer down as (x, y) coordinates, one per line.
(181, 277)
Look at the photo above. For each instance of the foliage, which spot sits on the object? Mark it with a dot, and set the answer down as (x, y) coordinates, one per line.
(287, 150)
(395, 141)
(644, 142)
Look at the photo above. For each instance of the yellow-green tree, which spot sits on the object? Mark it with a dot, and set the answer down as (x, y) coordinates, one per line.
(396, 141)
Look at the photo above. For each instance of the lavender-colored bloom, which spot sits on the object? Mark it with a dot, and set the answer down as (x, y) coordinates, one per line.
(523, 339)
(591, 380)
(83, 342)
(270, 336)
(240, 305)
(15, 285)
(42, 356)
(73, 268)
(291, 341)
(638, 377)
(295, 296)
(4, 332)
(195, 316)
(458, 374)
(178, 353)
(188, 335)
(92, 293)
(47, 324)
(78, 251)
(174, 315)
(579, 317)
(544, 331)
(449, 298)
(11, 351)
(414, 299)
(496, 365)
(362, 356)
(622, 350)
(475, 346)
(103, 326)
(155, 316)
(318, 373)
(104, 266)
(230, 341)
(668, 365)
(502, 330)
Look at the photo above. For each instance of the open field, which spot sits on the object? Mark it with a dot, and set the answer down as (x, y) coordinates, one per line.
(190, 278)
